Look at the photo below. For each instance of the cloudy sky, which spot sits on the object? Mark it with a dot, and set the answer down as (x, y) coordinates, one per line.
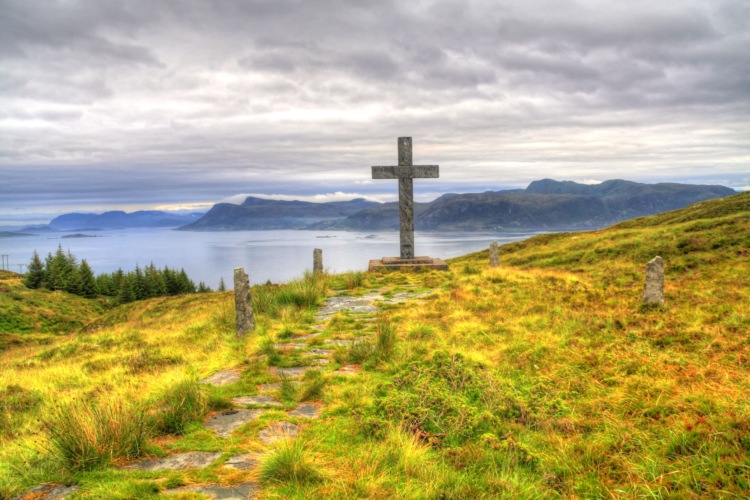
(142, 104)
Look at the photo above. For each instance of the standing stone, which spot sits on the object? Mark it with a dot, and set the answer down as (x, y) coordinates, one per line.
(653, 292)
(494, 255)
(242, 303)
(317, 261)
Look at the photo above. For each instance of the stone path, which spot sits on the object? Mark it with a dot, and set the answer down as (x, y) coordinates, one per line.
(48, 492)
(241, 491)
(180, 461)
(251, 407)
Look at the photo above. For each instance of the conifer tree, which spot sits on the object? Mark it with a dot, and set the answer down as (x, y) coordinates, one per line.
(126, 294)
(89, 287)
(222, 285)
(35, 275)
(73, 282)
(58, 270)
(138, 283)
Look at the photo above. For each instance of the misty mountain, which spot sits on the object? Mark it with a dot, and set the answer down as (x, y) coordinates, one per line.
(118, 219)
(259, 213)
(544, 204)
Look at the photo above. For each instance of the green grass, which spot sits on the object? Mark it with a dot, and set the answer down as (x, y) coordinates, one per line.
(85, 435)
(542, 378)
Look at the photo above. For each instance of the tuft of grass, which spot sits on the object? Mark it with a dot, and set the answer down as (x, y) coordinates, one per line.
(178, 406)
(288, 390)
(420, 331)
(385, 341)
(292, 461)
(85, 437)
(312, 386)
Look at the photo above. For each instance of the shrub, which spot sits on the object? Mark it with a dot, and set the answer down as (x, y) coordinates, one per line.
(86, 436)
(178, 406)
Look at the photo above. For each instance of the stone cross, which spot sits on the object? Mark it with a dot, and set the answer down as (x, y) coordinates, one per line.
(317, 261)
(494, 256)
(405, 172)
(653, 291)
(243, 304)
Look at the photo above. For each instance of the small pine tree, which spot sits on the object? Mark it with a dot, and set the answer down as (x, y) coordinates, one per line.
(222, 285)
(35, 276)
(89, 287)
(126, 294)
(202, 288)
(186, 284)
(58, 270)
(73, 282)
(138, 283)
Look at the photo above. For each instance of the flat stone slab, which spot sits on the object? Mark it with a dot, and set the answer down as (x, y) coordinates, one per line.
(243, 491)
(227, 421)
(339, 341)
(291, 372)
(404, 296)
(48, 492)
(309, 335)
(248, 461)
(307, 410)
(321, 362)
(347, 370)
(277, 431)
(318, 352)
(290, 346)
(256, 401)
(180, 461)
(272, 386)
(363, 304)
(223, 377)
(415, 264)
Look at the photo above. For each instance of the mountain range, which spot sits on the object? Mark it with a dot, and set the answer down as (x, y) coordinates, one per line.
(116, 219)
(544, 204)
(259, 213)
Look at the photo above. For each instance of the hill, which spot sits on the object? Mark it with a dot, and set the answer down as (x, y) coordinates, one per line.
(544, 377)
(544, 204)
(118, 219)
(258, 213)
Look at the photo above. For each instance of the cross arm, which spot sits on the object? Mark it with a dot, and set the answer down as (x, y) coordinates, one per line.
(407, 172)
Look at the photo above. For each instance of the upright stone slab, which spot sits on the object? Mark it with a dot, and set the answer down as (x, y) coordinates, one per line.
(242, 303)
(653, 291)
(494, 255)
(317, 261)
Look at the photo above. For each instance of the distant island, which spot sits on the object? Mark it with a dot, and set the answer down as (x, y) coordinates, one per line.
(115, 219)
(545, 204)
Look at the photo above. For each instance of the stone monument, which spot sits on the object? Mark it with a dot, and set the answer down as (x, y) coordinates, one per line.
(317, 261)
(653, 291)
(405, 172)
(243, 304)
(494, 254)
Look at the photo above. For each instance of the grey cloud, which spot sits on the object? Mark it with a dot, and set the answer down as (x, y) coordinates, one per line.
(212, 95)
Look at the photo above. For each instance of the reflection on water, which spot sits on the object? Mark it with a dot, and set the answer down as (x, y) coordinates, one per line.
(277, 256)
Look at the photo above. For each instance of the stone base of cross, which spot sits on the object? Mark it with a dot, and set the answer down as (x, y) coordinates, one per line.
(405, 172)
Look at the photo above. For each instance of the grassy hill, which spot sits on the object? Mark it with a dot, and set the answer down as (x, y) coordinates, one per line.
(544, 377)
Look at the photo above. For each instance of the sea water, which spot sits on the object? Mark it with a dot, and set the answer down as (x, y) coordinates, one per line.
(278, 256)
